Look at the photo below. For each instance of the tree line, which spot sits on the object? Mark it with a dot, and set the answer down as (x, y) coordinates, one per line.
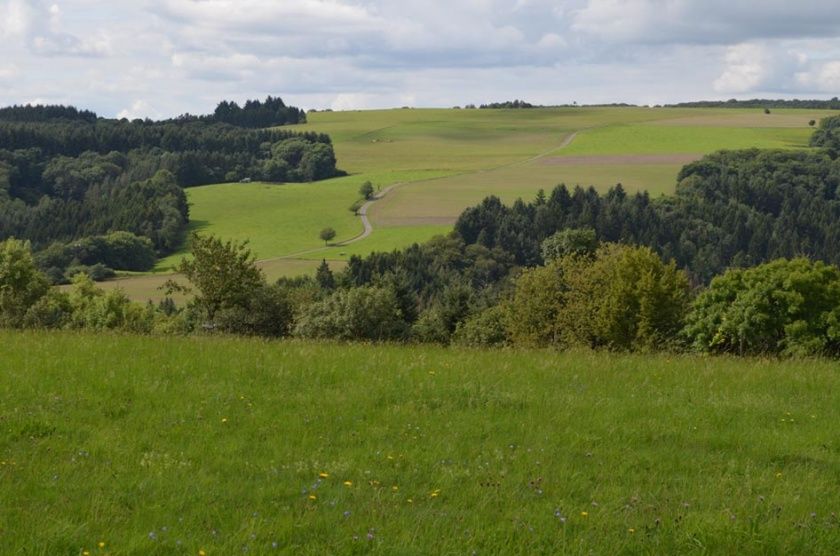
(815, 104)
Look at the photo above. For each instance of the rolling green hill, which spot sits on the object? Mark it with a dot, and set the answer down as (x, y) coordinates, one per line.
(442, 161)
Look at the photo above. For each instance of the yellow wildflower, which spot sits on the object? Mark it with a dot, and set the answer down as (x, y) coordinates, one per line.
(202, 553)
(313, 497)
(224, 419)
(395, 488)
(323, 474)
(584, 514)
(101, 544)
(631, 530)
(348, 483)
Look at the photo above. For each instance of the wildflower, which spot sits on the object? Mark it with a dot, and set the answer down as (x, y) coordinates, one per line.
(323, 474)
(202, 553)
(224, 419)
(410, 501)
(101, 544)
(348, 483)
(435, 493)
(313, 497)
(631, 530)
(395, 488)
(778, 475)
(584, 514)
(85, 553)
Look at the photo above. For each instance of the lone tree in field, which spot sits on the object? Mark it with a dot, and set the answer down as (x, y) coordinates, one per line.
(366, 190)
(224, 274)
(327, 234)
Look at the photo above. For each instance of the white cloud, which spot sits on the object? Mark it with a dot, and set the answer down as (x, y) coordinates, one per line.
(139, 109)
(166, 57)
(747, 67)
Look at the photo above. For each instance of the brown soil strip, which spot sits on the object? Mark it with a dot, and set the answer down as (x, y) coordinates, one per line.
(611, 160)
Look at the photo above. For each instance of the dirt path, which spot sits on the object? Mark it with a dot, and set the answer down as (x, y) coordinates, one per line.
(368, 227)
(363, 210)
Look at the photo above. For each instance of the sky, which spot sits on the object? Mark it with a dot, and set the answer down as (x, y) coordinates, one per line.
(162, 58)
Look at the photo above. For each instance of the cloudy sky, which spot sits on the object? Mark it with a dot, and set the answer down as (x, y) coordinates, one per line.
(160, 58)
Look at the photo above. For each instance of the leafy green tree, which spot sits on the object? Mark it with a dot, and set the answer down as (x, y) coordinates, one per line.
(318, 162)
(364, 313)
(366, 190)
(269, 312)
(327, 235)
(94, 309)
(484, 329)
(21, 283)
(532, 318)
(827, 135)
(569, 242)
(789, 307)
(625, 298)
(223, 273)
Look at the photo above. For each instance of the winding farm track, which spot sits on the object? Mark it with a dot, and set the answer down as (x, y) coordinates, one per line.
(363, 210)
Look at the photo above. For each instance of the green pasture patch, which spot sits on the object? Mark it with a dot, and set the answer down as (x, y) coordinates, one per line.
(651, 139)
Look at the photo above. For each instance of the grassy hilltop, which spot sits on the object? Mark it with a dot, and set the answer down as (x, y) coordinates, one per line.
(162, 446)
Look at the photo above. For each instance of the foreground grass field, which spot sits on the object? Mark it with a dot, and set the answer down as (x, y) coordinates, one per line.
(175, 446)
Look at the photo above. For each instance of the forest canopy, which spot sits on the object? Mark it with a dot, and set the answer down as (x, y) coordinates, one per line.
(66, 174)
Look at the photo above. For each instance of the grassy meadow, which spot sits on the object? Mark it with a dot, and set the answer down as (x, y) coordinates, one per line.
(222, 446)
(445, 160)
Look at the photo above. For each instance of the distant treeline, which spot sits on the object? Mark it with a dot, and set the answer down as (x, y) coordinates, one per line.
(253, 114)
(833, 104)
(41, 113)
(67, 175)
(508, 104)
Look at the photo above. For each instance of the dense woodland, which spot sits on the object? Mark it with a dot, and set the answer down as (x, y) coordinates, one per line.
(66, 174)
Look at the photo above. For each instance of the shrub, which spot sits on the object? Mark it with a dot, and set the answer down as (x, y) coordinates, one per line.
(364, 313)
(789, 307)
(21, 283)
(623, 297)
(484, 329)
(269, 312)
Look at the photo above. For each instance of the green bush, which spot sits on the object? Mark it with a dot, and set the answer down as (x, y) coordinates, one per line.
(484, 329)
(623, 297)
(789, 307)
(364, 313)
(21, 283)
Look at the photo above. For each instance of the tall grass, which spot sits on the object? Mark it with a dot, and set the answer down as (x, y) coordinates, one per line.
(172, 446)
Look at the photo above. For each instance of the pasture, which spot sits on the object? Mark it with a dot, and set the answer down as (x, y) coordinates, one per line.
(445, 160)
(229, 446)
